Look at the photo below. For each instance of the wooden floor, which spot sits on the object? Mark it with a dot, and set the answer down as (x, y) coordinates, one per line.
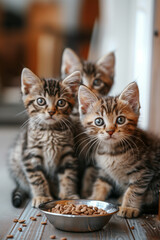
(145, 227)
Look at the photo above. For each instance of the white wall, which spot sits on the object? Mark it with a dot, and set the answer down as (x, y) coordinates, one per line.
(126, 27)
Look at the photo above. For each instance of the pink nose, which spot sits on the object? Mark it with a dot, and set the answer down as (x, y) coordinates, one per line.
(110, 132)
(51, 113)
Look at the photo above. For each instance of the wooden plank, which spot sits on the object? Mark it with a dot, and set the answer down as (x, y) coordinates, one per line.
(117, 228)
(11, 225)
(33, 230)
(146, 227)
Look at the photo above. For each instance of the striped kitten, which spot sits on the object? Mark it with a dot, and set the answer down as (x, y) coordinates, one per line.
(99, 77)
(42, 162)
(128, 157)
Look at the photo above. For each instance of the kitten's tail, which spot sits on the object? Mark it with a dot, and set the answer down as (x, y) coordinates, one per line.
(18, 196)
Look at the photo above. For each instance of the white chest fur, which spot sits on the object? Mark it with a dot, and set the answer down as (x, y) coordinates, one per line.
(115, 166)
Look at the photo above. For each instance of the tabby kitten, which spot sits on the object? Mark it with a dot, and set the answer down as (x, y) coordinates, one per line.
(128, 157)
(98, 76)
(42, 162)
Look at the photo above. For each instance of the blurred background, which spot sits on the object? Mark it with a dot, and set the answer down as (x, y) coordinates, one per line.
(34, 33)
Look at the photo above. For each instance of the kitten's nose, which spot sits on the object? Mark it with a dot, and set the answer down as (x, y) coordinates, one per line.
(110, 132)
(51, 113)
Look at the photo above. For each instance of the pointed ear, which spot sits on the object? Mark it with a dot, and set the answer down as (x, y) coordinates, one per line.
(73, 81)
(70, 62)
(29, 81)
(86, 99)
(131, 95)
(107, 64)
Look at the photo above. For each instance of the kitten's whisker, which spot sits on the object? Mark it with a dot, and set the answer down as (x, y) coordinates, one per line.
(25, 123)
(82, 142)
(85, 146)
(20, 113)
(79, 134)
(88, 151)
(133, 144)
(65, 124)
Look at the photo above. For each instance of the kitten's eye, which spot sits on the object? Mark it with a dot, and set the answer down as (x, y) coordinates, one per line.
(61, 103)
(97, 82)
(121, 120)
(41, 101)
(99, 121)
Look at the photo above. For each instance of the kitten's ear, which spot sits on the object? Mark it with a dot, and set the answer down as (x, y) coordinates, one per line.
(86, 99)
(107, 64)
(29, 81)
(131, 95)
(70, 62)
(73, 81)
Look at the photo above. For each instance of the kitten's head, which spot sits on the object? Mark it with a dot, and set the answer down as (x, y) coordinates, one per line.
(97, 76)
(49, 101)
(110, 119)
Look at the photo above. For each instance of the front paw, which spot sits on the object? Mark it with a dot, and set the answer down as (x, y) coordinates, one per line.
(97, 197)
(73, 196)
(128, 212)
(36, 201)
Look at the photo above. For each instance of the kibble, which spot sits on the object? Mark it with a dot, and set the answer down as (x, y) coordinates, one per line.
(43, 223)
(52, 237)
(132, 227)
(20, 229)
(77, 209)
(15, 220)
(63, 238)
(34, 219)
(38, 215)
(24, 225)
(21, 221)
(9, 236)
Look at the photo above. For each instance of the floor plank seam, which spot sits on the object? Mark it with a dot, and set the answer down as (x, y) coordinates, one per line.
(10, 233)
(130, 229)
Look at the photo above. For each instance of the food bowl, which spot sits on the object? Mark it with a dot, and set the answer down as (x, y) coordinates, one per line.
(79, 223)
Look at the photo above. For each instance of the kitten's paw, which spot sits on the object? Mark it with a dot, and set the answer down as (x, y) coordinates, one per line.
(96, 197)
(119, 201)
(128, 212)
(85, 194)
(73, 196)
(36, 201)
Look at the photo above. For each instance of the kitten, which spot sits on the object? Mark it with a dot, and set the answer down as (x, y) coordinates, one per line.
(128, 157)
(42, 161)
(99, 77)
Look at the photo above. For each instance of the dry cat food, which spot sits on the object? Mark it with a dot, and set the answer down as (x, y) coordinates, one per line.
(21, 221)
(81, 209)
(52, 237)
(9, 236)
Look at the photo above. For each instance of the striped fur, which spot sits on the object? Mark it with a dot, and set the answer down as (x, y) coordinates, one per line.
(127, 157)
(99, 77)
(102, 70)
(42, 162)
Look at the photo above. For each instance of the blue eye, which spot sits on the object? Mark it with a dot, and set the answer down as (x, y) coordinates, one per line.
(120, 120)
(99, 121)
(97, 82)
(61, 103)
(41, 101)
